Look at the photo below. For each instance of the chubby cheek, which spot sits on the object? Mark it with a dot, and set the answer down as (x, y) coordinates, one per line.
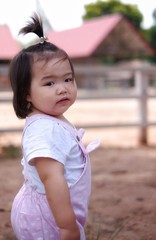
(36, 99)
(36, 94)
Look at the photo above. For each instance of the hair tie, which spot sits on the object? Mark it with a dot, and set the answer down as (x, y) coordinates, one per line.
(43, 39)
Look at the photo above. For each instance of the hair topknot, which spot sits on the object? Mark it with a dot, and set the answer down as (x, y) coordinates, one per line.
(33, 26)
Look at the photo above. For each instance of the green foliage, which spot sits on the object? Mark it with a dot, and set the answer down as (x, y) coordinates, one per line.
(150, 36)
(154, 16)
(101, 8)
(10, 151)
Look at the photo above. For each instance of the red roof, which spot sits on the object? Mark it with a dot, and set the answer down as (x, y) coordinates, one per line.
(82, 41)
(8, 45)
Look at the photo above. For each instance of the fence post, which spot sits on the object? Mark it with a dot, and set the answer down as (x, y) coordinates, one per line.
(141, 82)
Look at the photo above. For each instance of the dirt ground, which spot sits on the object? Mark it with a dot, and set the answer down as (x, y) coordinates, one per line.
(123, 201)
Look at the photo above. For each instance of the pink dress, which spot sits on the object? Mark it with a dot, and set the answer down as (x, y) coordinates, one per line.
(31, 216)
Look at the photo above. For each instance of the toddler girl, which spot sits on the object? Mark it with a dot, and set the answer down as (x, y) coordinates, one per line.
(52, 204)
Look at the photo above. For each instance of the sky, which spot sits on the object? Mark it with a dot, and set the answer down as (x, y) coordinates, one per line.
(62, 14)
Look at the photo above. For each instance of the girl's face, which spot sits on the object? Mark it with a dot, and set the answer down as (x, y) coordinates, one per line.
(53, 89)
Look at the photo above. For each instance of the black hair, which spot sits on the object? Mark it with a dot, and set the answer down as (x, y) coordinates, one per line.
(20, 73)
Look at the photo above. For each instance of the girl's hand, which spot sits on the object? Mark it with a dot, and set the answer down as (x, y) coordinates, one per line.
(70, 234)
(51, 173)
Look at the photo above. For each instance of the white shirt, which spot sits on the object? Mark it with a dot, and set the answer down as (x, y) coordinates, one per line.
(44, 137)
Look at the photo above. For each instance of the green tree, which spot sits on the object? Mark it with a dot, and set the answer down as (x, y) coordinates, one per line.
(150, 35)
(154, 16)
(100, 8)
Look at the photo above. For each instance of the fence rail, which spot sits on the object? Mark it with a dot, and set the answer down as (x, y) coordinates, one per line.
(141, 82)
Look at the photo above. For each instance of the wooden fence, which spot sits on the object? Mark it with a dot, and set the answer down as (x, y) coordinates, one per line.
(142, 75)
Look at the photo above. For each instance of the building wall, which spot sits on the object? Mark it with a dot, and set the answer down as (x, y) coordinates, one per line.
(4, 78)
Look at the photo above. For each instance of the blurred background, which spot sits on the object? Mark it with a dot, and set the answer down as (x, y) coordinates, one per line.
(112, 46)
(113, 49)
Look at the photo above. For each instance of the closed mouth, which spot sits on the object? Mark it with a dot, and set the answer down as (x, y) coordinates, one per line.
(63, 100)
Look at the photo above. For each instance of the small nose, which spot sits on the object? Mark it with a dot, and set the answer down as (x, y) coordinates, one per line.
(61, 89)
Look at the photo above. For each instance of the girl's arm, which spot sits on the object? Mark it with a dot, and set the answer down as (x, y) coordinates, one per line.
(51, 173)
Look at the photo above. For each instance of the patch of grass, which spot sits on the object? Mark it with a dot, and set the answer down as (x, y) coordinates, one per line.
(10, 151)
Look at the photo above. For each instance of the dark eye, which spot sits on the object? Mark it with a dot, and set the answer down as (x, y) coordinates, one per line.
(68, 80)
(49, 84)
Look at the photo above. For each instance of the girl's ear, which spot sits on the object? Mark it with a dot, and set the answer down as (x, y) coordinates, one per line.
(28, 98)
